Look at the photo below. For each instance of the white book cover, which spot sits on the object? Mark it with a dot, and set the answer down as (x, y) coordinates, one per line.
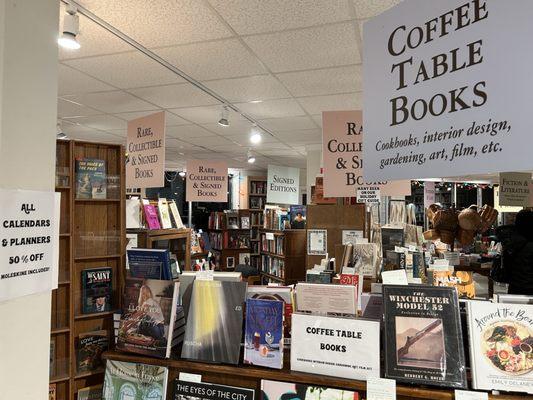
(501, 346)
(133, 213)
(334, 346)
(176, 214)
(164, 214)
(326, 298)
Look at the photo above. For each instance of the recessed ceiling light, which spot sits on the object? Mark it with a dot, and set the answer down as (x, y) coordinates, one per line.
(251, 158)
(256, 101)
(224, 113)
(255, 136)
(71, 28)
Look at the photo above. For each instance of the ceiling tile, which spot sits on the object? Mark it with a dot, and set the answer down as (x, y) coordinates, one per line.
(160, 22)
(211, 141)
(324, 81)
(96, 136)
(230, 148)
(318, 119)
(236, 127)
(272, 109)
(257, 16)
(278, 152)
(101, 122)
(112, 102)
(367, 9)
(179, 145)
(213, 60)
(319, 47)
(302, 137)
(244, 140)
(71, 81)
(187, 132)
(173, 96)
(170, 119)
(204, 115)
(336, 102)
(288, 123)
(94, 40)
(70, 109)
(126, 70)
(252, 88)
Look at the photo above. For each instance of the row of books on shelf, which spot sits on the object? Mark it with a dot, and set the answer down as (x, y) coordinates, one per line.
(274, 266)
(126, 377)
(257, 187)
(256, 219)
(153, 215)
(257, 203)
(278, 218)
(229, 219)
(274, 245)
(229, 240)
(423, 329)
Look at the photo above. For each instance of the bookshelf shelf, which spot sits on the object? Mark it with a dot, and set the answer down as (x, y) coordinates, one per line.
(268, 253)
(81, 218)
(274, 277)
(250, 377)
(82, 375)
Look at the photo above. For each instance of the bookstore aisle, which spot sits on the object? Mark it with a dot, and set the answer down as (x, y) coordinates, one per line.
(201, 225)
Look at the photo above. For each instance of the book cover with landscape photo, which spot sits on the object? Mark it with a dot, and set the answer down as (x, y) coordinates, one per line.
(148, 317)
(134, 381)
(214, 322)
(423, 337)
(263, 342)
(91, 179)
(501, 346)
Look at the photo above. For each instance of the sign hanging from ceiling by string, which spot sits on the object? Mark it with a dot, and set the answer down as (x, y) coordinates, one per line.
(436, 104)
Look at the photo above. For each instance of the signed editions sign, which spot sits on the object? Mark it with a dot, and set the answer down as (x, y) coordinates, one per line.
(207, 181)
(146, 152)
(283, 185)
(342, 147)
(346, 348)
(438, 106)
(29, 242)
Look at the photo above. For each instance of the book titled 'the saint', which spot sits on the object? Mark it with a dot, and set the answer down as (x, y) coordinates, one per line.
(97, 290)
(423, 337)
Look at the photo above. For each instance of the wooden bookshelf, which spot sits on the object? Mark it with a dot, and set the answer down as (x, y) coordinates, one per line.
(248, 376)
(334, 218)
(177, 241)
(283, 258)
(92, 234)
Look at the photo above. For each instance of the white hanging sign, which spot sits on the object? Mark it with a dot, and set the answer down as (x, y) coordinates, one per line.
(29, 242)
(436, 103)
(283, 185)
(368, 194)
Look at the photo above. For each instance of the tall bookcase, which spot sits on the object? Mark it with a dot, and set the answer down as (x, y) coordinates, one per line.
(92, 234)
(256, 199)
(282, 255)
(229, 243)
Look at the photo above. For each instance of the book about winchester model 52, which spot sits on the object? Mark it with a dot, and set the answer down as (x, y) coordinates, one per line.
(423, 339)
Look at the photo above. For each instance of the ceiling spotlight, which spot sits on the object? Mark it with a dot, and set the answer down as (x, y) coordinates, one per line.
(224, 121)
(71, 28)
(60, 134)
(251, 158)
(182, 174)
(255, 137)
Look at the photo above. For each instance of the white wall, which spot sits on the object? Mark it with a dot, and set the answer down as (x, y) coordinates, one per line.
(28, 104)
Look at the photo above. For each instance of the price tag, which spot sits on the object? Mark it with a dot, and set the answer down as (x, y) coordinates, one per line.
(269, 236)
(185, 376)
(205, 275)
(396, 277)
(470, 395)
(380, 389)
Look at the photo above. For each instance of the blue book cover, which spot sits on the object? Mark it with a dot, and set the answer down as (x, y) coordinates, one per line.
(297, 217)
(150, 263)
(263, 342)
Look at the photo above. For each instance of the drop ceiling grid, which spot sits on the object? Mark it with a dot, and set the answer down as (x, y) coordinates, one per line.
(290, 102)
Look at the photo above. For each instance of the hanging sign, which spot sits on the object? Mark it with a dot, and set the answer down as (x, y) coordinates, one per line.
(283, 185)
(368, 194)
(436, 103)
(342, 147)
(29, 242)
(145, 147)
(429, 193)
(207, 181)
(514, 189)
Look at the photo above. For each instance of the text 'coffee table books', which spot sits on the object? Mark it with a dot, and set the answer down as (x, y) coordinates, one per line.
(341, 347)
(214, 321)
(263, 342)
(423, 338)
(150, 317)
(134, 381)
(501, 346)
